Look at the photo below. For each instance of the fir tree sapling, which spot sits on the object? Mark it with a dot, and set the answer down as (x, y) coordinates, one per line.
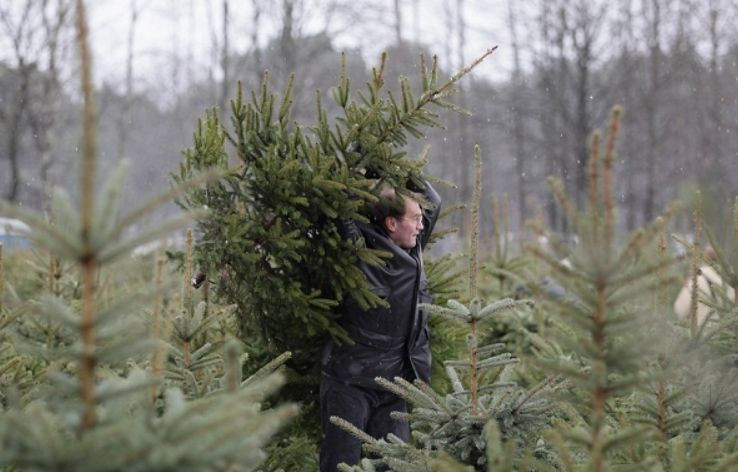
(507, 268)
(455, 423)
(505, 272)
(194, 358)
(660, 404)
(601, 280)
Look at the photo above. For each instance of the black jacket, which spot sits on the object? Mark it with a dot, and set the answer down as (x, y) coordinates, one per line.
(390, 341)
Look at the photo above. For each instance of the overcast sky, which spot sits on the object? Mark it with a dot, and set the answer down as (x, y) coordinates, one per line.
(171, 29)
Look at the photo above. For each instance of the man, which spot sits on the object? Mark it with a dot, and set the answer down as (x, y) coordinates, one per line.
(709, 284)
(390, 340)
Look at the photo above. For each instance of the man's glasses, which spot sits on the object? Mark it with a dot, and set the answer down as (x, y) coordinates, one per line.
(415, 219)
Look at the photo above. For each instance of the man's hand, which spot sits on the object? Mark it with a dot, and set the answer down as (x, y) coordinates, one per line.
(199, 279)
(371, 173)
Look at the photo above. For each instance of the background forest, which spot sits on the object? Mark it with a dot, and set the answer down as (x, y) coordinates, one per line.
(560, 67)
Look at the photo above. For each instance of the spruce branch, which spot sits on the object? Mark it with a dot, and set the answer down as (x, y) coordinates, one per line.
(487, 388)
(661, 306)
(502, 305)
(472, 338)
(437, 399)
(594, 167)
(454, 378)
(474, 238)
(267, 369)
(695, 269)
(418, 395)
(87, 180)
(432, 96)
(491, 349)
(186, 301)
(607, 177)
(353, 430)
(557, 188)
(88, 260)
(535, 391)
(449, 313)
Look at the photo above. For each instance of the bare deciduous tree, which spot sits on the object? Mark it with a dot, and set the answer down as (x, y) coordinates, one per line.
(21, 32)
(55, 19)
(124, 119)
(517, 112)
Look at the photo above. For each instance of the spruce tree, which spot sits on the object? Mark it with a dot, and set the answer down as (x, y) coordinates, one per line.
(505, 272)
(601, 278)
(661, 404)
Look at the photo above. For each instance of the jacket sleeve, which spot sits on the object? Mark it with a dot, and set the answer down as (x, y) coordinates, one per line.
(430, 215)
(349, 230)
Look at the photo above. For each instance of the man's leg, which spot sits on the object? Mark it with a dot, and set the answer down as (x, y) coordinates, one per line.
(380, 423)
(352, 405)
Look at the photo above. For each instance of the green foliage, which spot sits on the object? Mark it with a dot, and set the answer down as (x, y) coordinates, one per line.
(273, 230)
(444, 277)
(643, 391)
(506, 268)
(601, 281)
(93, 407)
(118, 426)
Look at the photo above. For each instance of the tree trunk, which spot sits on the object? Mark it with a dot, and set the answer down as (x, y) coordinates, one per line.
(398, 22)
(287, 38)
(14, 129)
(716, 128)
(44, 125)
(225, 65)
(255, 24)
(581, 37)
(465, 150)
(651, 104)
(517, 97)
(124, 121)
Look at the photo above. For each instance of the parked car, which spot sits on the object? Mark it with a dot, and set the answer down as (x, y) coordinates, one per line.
(13, 234)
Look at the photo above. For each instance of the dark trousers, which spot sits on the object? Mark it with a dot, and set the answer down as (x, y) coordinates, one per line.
(367, 409)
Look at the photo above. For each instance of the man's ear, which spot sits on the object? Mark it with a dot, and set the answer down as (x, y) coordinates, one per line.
(390, 224)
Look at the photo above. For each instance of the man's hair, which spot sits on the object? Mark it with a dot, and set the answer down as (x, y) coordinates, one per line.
(390, 203)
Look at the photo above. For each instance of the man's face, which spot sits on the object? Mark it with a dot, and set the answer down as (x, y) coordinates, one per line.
(404, 230)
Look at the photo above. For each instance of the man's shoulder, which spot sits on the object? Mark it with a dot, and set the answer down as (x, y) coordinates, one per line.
(372, 234)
